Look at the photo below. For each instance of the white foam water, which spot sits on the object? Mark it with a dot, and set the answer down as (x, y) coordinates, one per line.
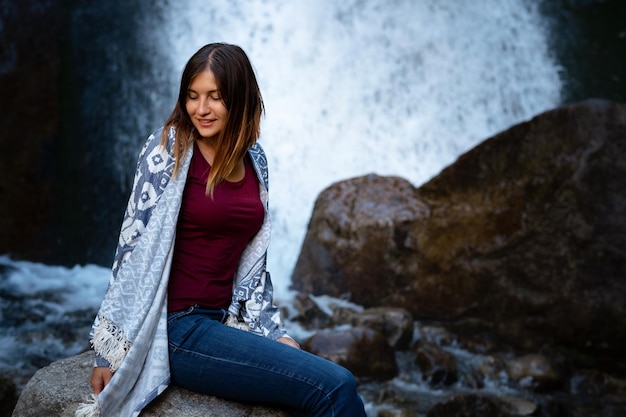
(45, 312)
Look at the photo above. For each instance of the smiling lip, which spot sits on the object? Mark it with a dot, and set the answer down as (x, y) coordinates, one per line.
(206, 122)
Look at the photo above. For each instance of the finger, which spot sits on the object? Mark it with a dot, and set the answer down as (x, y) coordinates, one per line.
(107, 378)
(97, 383)
(288, 341)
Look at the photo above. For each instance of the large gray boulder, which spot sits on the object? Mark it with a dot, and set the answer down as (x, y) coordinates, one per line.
(523, 237)
(59, 388)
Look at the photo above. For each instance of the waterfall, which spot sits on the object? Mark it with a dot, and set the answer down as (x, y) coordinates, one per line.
(398, 87)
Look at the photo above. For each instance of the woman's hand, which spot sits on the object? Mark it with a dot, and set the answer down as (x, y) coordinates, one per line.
(288, 341)
(100, 377)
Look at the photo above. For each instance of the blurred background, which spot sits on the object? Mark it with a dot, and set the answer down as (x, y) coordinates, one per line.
(392, 87)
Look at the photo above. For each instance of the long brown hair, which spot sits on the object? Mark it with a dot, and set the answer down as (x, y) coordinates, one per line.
(240, 92)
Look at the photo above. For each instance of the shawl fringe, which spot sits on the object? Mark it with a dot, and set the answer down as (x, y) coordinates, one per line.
(89, 408)
(232, 321)
(110, 342)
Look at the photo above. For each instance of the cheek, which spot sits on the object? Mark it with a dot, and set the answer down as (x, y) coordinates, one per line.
(190, 108)
(223, 111)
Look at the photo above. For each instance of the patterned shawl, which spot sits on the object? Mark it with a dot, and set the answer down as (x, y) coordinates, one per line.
(130, 330)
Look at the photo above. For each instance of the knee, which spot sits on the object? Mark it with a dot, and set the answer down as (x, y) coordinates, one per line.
(336, 393)
(343, 385)
(345, 400)
(344, 379)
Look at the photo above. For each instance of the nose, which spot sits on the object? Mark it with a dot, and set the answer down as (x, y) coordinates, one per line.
(204, 106)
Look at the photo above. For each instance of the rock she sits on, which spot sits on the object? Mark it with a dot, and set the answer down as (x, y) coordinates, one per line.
(59, 388)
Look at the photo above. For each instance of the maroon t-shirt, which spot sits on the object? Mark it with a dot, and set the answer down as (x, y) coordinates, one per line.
(211, 235)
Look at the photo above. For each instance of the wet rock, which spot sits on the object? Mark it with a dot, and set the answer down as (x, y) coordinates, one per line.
(584, 406)
(365, 352)
(595, 383)
(396, 413)
(396, 324)
(535, 372)
(318, 312)
(523, 235)
(492, 367)
(438, 335)
(516, 406)
(400, 397)
(479, 335)
(340, 310)
(8, 396)
(465, 406)
(58, 389)
(308, 312)
(359, 243)
(437, 365)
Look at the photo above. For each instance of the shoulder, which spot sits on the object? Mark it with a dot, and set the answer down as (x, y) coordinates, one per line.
(153, 141)
(259, 159)
(256, 151)
(157, 154)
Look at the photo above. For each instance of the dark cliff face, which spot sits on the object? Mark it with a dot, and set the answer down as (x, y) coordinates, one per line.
(30, 67)
(588, 39)
(77, 102)
(45, 151)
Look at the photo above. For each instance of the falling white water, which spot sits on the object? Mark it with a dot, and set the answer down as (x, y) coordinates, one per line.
(355, 87)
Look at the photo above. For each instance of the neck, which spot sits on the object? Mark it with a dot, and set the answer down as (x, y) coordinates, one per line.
(207, 148)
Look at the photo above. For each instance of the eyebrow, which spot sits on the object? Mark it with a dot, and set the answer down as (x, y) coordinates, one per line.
(210, 91)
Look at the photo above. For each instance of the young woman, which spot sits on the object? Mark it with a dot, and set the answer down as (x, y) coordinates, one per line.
(190, 300)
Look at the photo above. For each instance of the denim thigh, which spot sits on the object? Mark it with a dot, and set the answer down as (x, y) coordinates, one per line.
(209, 357)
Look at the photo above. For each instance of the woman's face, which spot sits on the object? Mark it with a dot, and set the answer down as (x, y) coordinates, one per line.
(205, 106)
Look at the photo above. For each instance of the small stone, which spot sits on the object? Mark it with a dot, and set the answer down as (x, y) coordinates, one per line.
(365, 352)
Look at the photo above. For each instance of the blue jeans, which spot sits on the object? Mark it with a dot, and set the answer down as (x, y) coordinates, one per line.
(209, 357)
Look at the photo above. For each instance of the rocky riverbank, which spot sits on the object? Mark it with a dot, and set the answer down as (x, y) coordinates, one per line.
(515, 251)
